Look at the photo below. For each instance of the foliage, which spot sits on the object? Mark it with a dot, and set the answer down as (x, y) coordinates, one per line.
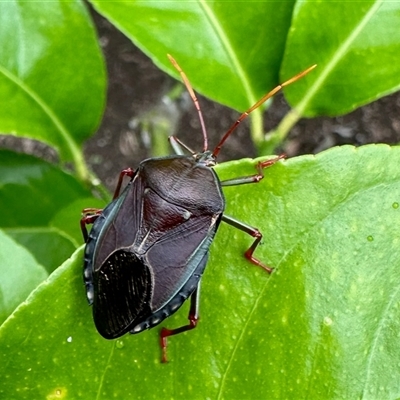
(325, 324)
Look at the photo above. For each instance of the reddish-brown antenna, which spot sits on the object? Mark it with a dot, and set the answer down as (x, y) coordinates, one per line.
(243, 116)
(194, 98)
(257, 104)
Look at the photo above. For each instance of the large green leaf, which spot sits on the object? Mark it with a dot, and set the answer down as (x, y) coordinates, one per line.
(231, 51)
(52, 83)
(324, 325)
(356, 46)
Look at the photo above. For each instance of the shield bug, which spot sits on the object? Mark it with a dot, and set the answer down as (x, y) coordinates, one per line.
(147, 250)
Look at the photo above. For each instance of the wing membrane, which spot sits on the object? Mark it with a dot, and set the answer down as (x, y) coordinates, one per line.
(122, 294)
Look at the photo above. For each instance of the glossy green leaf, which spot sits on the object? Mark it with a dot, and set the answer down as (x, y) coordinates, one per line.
(231, 51)
(22, 275)
(356, 46)
(324, 325)
(33, 195)
(52, 82)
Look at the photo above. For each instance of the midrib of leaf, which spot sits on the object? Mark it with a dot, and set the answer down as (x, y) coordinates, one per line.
(313, 355)
(378, 331)
(105, 370)
(64, 133)
(240, 337)
(21, 53)
(294, 115)
(256, 116)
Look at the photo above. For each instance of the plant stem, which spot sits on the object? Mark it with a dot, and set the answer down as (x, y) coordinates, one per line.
(256, 127)
(275, 137)
(279, 134)
(80, 165)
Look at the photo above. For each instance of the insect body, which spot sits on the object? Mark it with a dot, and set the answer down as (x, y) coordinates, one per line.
(147, 250)
(155, 238)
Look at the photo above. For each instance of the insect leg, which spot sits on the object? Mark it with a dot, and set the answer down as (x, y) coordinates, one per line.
(253, 178)
(89, 216)
(252, 232)
(177, 145)
(193, 319)
(125, 172)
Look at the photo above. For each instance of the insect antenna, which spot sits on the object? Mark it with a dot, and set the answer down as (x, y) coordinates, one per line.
(257, 104)
(194, 98)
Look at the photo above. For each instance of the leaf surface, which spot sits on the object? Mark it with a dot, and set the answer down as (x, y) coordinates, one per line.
(324, 324)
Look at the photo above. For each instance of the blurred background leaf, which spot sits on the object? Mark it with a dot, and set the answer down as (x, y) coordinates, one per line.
(357, 63)
(231, 65)
(52, 77)
(41, 220)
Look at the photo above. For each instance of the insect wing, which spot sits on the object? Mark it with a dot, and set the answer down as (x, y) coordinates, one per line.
(122, 282)
(176, 256)
(123, 292)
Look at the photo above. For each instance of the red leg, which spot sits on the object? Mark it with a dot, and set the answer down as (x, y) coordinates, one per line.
(89, 216)
(253, 232)
(253, 178)
(125, 172)
(193, 320)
